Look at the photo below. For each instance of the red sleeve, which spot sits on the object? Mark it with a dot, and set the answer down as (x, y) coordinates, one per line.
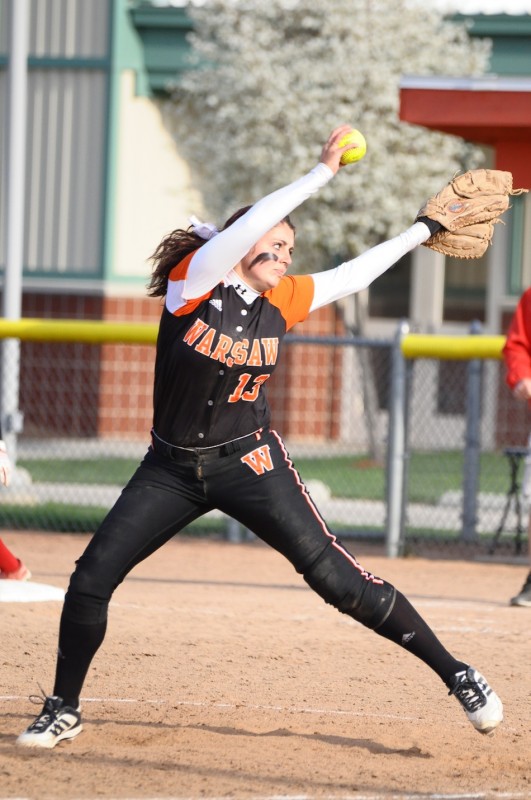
(293, 297)
(517, 348)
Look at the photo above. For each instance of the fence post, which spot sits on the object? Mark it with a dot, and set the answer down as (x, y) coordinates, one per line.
(396, 451)
(471, 460)
(12, 417)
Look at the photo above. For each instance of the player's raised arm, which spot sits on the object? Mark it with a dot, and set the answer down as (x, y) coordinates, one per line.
(457, 221)
(224, 250)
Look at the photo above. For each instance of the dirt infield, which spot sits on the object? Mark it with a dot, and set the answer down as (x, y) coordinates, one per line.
(224, 676)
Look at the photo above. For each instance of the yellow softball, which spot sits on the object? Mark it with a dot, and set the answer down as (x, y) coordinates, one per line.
(353, 153)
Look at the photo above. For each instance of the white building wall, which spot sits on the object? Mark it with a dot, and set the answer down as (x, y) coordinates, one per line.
(154, 191)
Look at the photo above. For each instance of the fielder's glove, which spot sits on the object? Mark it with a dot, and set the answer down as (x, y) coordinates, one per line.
(5, 465)
(467, 210)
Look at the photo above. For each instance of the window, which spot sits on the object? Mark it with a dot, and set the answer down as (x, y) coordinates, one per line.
(389, 294)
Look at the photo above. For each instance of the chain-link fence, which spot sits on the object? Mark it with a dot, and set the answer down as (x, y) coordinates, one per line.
(465, 459)
(412, 451)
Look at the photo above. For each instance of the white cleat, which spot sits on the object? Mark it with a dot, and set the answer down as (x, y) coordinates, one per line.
(55, 723)
(480, 703)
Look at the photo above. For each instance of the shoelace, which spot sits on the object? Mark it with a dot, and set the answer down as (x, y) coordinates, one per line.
(470, 694)
(49, 712)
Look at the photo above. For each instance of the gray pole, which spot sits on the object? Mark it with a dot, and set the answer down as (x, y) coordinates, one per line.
(14, 219)
(471, 460)
(397, 444)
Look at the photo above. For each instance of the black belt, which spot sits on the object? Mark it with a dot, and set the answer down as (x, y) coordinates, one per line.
(208, 453)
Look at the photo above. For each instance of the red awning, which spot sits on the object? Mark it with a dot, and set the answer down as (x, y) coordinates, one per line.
(487, 110)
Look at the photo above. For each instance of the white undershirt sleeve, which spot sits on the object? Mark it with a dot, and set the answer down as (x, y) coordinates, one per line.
(221, 253)
(355, 275)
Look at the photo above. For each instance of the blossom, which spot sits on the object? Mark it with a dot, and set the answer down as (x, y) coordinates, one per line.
(266, 84)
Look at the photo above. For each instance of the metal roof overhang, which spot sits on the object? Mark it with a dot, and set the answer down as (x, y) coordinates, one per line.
(489, 110)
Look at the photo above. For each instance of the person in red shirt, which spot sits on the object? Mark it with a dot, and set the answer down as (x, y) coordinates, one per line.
(517, 356)
(11, 567)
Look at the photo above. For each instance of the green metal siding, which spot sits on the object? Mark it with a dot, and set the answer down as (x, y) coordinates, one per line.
(511, 40)
(163, 32)
(67, 153)
(516, 237)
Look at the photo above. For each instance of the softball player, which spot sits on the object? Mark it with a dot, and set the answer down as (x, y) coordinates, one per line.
(228, 304)
(11, 567)
(517, 357)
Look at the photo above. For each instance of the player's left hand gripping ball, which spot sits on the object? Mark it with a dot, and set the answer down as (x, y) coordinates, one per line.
(357, 151)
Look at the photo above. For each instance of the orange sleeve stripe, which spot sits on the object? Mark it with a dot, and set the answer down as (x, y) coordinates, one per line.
(190, 305)
(293, 297)
(179, 273)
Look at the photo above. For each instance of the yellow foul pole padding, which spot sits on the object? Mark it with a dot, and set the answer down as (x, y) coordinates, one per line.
(417, 345)
(73, 330)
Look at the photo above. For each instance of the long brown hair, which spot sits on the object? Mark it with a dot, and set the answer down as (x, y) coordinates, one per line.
(177, 245)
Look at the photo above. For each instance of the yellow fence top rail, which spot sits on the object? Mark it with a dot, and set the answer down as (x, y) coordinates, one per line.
(85, 331)
(417, 345)
(414, 345)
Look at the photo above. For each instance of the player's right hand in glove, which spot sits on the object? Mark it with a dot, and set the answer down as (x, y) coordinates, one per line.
(466, 210)
(5, 465)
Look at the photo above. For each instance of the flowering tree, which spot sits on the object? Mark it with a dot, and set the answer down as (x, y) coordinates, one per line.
(269, 80)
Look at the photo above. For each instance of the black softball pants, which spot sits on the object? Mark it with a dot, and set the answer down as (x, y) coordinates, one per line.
(258, 486)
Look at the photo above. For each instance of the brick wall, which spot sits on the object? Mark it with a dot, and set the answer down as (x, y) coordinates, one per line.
(81, 390)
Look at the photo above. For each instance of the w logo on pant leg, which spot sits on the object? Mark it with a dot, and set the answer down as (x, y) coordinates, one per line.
(259, 460)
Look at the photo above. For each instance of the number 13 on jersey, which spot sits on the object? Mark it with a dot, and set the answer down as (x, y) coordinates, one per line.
(252, 393)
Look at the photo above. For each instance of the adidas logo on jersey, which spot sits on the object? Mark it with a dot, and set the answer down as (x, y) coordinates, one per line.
(216, 303)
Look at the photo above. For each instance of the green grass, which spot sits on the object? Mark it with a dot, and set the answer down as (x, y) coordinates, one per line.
(77, 470)
(353, 477)
(63, 518)
(431, 474)
(68, 518)
(60, 517)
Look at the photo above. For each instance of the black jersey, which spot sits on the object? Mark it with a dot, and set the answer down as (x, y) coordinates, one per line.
(219, 342)
(214, 355)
